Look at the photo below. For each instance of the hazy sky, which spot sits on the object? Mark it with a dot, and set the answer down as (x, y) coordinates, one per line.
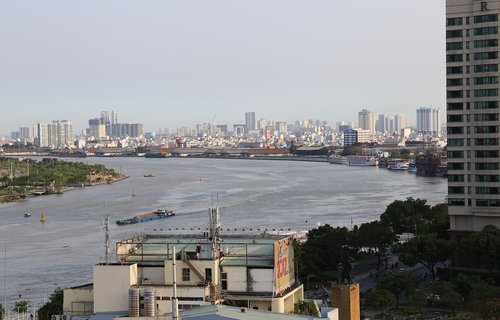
(178, 63)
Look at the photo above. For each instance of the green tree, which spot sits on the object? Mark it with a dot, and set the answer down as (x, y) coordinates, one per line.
(53, 306)
(465, 283)
(406, 216)
(2, 312)
(482, 249)
(323, 248)
(21, 306)
(425, 249)
(448, 295)
(376, 236)
(380, 299)
(307, 308)
(399, 282)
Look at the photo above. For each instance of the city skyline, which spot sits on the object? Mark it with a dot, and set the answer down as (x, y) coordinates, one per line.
(179, 64)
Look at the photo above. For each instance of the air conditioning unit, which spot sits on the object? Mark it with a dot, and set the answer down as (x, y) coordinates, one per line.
(55, 317)
(65, 317)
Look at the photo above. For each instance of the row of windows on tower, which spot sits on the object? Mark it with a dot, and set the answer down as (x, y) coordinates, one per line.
(458, 21)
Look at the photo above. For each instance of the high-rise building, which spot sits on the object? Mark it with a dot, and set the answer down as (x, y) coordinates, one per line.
(366, 120)
(97, 129)
(400, 122)
(473, 115)
(383, 123)
(58, 134)
(428, 121)
(249, 121)
(27, 134)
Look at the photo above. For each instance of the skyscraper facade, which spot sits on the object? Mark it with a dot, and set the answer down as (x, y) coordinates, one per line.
(472, 114)
(367, 121)
(249, 121)
(428, 121)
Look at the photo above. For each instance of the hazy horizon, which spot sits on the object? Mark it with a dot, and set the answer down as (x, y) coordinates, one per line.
(175, 64)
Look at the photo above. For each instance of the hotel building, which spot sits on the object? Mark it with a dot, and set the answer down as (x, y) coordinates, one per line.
(472, 115)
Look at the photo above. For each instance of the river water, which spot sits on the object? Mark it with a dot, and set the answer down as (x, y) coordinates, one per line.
(36, 258)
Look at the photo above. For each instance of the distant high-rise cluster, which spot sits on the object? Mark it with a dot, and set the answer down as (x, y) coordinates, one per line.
(428, 121)
(249, 121)
(107, 126)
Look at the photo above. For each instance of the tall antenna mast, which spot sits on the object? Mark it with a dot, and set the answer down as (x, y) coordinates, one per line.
(105, 227)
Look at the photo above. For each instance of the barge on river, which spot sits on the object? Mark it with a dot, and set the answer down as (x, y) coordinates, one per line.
(155, 215)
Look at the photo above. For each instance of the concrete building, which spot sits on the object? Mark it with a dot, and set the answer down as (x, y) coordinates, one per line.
(366, 120)
(353, 136)
(254, 272)
(97, 129)
(428, 121)
(58, 134)
(249, 121)
(473, 115)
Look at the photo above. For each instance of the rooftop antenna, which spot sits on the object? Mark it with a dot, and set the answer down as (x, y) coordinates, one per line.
(105, 227)
(175, 311)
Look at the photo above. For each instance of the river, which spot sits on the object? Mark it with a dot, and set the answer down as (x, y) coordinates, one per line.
(251, 194)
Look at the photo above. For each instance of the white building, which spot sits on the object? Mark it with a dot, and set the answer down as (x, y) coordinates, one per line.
(246, 271)
(367, 121)
(428, 121)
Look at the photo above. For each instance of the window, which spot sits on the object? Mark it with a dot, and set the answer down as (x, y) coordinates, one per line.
(485, 80)
(487, 203)
(486, 55)
(485, 31)
(455, 106)
(455, 154)
(186, 274)
(223, 277)
(454, 70)
(454, 57)
(456, 178)
(485, 142)
(455, 166)
(208, 274)
(454, 93)
(454, 21)
(486, 154)
(456, 202)
(487, 178)
(487, 43)
(486, 68)
(487, 190)
(456, 190)
(486, 93)
(455, 142)
(486, 166)
(455, 130)
(486, 18)
(486, 129)
(454, 45)
(486, 117)
(454, 82)
(454, 34)
(455, 118)
(486, 105)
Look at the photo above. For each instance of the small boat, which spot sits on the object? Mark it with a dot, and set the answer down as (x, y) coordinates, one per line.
(397, 165)
(149, 175)
(155, 215)
(362, 161)
(42, 217)
(27, 215)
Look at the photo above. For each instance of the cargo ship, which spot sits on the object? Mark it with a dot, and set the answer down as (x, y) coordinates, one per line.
(155, 215)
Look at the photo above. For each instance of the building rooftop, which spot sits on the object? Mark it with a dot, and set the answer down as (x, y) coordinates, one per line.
(215, 312)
